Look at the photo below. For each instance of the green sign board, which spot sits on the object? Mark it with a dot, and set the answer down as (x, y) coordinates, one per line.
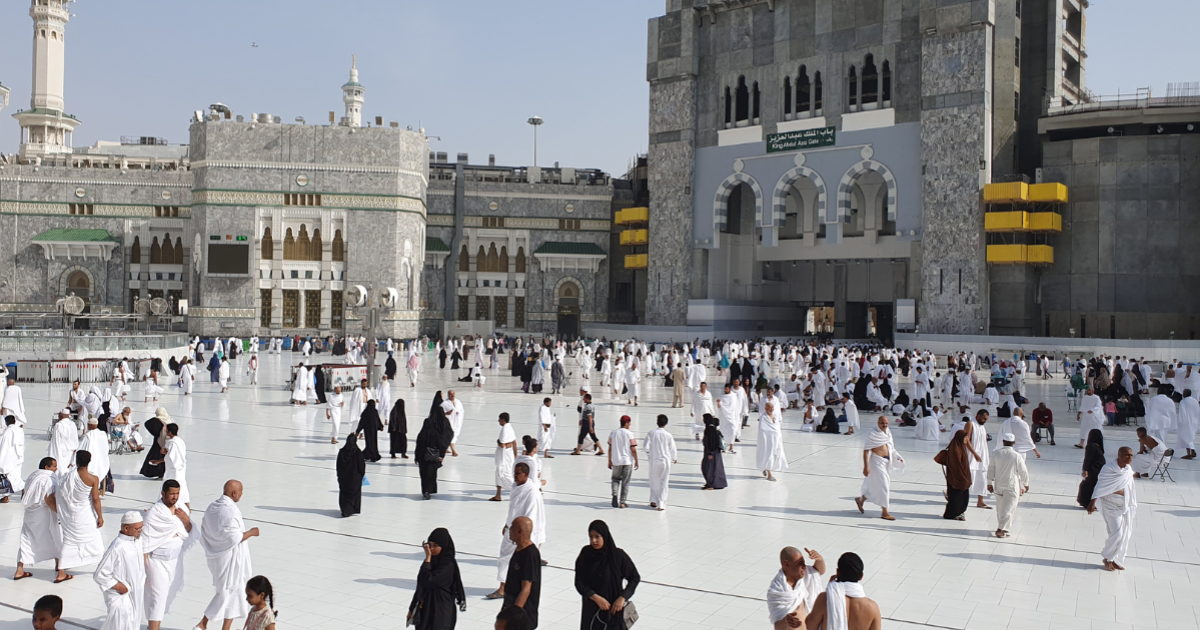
(805, 139)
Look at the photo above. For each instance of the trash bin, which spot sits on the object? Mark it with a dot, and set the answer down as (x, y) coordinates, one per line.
(287, 343)
(12, 371)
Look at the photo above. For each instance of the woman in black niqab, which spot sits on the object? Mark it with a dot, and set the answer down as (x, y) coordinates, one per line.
(439, 586)
(369, 426)
(1093, 461)
(351, 468)
(712, 466)
(398, 430)
(436, 405)
(432, 442)
(605, 578)
(154, 471)
(320, 384)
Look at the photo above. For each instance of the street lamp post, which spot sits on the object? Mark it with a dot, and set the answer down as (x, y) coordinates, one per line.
(536, 121)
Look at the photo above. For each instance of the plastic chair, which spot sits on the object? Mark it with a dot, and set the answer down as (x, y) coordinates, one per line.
(1161, 470)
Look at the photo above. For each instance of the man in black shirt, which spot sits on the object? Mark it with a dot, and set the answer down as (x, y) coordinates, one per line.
(524, 579)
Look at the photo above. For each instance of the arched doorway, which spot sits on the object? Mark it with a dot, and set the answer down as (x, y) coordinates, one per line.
(80, 285)
(568, 310)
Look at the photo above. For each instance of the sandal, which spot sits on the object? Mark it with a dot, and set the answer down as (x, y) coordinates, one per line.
(69, 577)
(494, 595)
(24, 574)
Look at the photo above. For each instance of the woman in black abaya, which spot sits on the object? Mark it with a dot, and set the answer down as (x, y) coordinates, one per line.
(320, 384)
(439, 586)
(432, 442)
(154, 471)
(1093, 461)
(606, 579)
(369, 426)
(711, 465)
(351, 468)
(398, 430)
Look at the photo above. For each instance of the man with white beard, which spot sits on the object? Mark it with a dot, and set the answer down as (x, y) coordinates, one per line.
(64, 439)
(12, 455)
(228, 554)
(1189, 422)
(1117, 497)
(41, 535)
(506, 455)
(95, 442)
(880, 460)
(164, 533)
(121, 575)
(729, 412)
(77, 498)
(525, 500)
(455, 414)
(1090, 416)
(1160, 416)
(333, 411)
(13, 403)
(660, 450)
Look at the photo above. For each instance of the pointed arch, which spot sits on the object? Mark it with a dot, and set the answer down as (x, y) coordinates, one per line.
(493, 259)
(303, 244)
(289, 245)
(803, 92)
(178, 250)
(847, 184)
(870, 81)
(464, 259)
(135, 253)
(168, 250)
(267, 245)
(520, 260)
(742, 101)
(481, 260)
(339, 247)
(503, 261)
(779, 197)
(316, 245)
(155, 252)
(721, 202)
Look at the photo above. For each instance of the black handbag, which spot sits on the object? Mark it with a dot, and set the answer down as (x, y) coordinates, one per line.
(432, 455)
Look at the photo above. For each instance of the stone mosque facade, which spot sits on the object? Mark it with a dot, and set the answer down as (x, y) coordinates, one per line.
(260, 227)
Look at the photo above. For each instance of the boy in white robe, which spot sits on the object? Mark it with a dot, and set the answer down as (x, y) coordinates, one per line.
(383, 394)
(660, 450)
(506, 455)
(41, 535)
(525, 500)
(880, 460)
(252, 365)
(769, 455)
(164, 534)
(333, 411)
(1160, 417)
(228, 554)
(77, 498)
(850, 410)
(121, 575)
(1117, 497)
(358, 402)
(187, 376)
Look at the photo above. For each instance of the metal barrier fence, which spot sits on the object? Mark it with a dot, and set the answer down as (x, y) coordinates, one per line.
(43, 341)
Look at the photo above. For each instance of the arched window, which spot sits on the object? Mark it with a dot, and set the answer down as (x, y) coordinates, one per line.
(481, 260)
(503, 263)
(887, 83)
(754, 113)
(742, 106)
(520, 260)
(155, 252)
(787, 95)
(464, 260)
(803, 92)
(339, 247)
(178, 250)
(316, 245)
(289, 245)
(870, 81)
(303, 245)
(135, 254)
(818, 92)
(728, 107)
(267, 251)
(853, 88)
(493, 259)
(168, 251)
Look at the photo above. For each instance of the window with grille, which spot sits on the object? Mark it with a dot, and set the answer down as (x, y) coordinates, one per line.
(338, 309)
(264, 317)
(165, 211)
(519, 315)
(464, 308)
(500, 311)
(296, 199)
(312, 309)
(483, 307)
(82, 208)
(291, 309)
(493, 222)
(569, 224)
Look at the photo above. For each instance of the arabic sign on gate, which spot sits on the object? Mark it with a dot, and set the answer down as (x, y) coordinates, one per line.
(804, 139)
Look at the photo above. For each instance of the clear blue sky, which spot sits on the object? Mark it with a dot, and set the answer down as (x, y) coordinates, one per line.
(470, 71)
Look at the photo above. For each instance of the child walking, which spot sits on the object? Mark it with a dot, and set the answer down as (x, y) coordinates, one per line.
(261, 598)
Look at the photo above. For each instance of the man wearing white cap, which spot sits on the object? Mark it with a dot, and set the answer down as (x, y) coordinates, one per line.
(1008, 479)
(121, 575)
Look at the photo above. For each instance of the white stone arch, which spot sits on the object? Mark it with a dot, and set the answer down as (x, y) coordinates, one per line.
(564, 280)
(63, 289)
(408, 282)
(721, 201)
(779, 198)
(847, 184)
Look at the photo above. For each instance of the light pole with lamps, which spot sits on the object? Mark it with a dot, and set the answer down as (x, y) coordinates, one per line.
(536, 121)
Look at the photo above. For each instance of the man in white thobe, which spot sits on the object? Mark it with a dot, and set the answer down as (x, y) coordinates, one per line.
(1017, 426)
(1008, 478)
(13, 403)
(660, 449)
(77, 498)
(95, 442)
(223, 374)
(1118, 503)
(850, 410)
(1090, 416)
(224, 538)
(121, 575)
(880, 461)
(525, 500)
(41, 535)
(187, 376)
(333, 412)
(769, 455)
(175, 458)
(166, 529)
(729, 413)
(64, 439)
(702, 403)
(358, 402)
(455, 414)
(12, 455)
(1150, 452)
(547, 426)
(795, 588)
(1189, 423)
(1160, 417)
(301, 385)
(506, 456)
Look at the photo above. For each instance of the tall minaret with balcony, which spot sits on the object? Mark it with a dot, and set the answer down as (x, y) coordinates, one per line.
(352, 95)
(45, 128)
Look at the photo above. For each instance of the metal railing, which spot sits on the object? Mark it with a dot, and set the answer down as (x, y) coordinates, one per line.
(1178, 95)
(42, 341)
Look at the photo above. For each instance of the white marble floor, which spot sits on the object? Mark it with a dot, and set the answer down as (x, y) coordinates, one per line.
(706, 562)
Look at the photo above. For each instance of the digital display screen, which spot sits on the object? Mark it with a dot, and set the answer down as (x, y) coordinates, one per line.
(229, 259)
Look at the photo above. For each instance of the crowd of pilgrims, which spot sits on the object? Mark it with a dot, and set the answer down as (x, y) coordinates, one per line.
(828, 385)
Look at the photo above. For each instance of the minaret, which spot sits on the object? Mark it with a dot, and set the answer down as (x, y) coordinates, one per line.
(45, 128)
(3, 97)
(352, 95)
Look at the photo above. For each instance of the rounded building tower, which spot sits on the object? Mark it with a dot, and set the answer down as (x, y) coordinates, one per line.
(45, 128)
(352, 95)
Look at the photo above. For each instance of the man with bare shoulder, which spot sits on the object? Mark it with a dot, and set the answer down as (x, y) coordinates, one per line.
(850, 608)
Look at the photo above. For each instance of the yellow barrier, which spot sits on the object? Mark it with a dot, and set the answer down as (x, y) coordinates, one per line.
(633, 215)
(1045, 222)
(1039, 255)
(636, 261)
(1006, 254)
(1006, 221)
(635, 237)
(1048, 193)
(1007, 192)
